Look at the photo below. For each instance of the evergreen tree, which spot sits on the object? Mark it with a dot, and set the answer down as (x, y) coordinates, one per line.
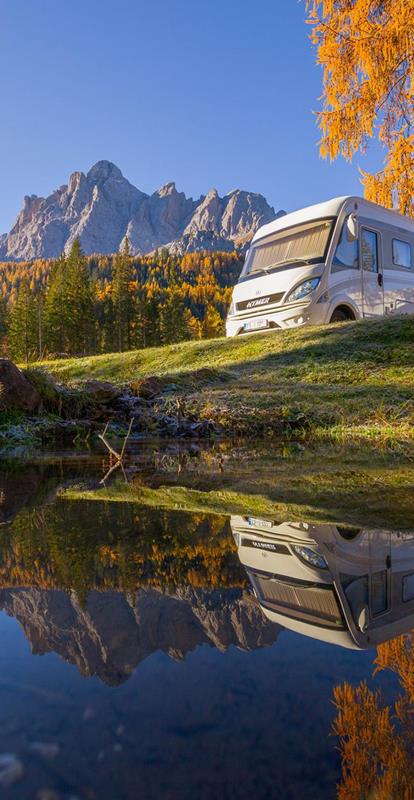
(123, 304)
(147, 330)
(4, 318)
(174, 319)
(23, 330)
(78, 296)
(55, 309)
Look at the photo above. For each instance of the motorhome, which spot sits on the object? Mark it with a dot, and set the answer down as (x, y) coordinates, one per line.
(347, 586)
(343, 259)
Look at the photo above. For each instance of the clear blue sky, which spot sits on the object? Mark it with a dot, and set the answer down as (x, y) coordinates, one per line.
(217, 93)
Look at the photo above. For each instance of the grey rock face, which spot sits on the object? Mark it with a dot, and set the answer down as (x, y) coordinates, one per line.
(114, 632)
(102, 208)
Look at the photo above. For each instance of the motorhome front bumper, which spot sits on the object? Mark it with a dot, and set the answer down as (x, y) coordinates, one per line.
(287, 316)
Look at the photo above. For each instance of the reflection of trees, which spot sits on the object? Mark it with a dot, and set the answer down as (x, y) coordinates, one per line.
(81, 545)
(376, 739)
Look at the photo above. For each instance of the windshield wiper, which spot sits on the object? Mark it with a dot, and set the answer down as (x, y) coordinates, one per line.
(287, 261)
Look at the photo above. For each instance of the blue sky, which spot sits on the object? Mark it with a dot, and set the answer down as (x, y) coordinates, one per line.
(217, 93)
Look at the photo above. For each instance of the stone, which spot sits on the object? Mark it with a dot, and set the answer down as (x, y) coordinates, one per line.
(47, 750)
(11, 770)
(148, 388)
(47, 794)
(88, 714)
(16, 391)
(102, 208)
(99, 392)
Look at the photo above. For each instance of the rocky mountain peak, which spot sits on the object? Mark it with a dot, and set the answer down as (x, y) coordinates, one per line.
(103, 207)
(167, 190)
(113, 633)
(102, 171)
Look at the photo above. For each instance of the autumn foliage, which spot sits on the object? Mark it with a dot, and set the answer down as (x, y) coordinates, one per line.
(78, 305)
(366, 49)
(376, 739)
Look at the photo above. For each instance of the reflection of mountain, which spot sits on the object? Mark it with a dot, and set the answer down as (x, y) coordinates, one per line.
(113, 632)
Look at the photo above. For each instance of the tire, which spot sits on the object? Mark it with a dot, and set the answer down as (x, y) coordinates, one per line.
(348, 533)
(339, 316)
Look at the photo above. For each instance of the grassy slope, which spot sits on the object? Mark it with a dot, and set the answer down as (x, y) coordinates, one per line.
(382, 506)
(349, 380)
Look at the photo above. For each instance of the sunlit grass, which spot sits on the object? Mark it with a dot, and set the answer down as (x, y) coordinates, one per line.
(349, 380)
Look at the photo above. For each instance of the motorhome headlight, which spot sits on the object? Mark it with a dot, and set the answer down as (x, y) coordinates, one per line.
(310, 555)
(304, 289)
(232, 309)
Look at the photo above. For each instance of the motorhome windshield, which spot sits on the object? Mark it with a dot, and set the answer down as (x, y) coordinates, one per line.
(303, 243)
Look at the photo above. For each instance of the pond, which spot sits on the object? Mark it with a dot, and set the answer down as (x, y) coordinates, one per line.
(208, 621)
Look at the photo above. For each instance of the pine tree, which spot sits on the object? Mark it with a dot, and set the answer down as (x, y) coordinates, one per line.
(55, 309)
(122, 299)
(78, 296)
(4, 318)
(23, 330)
(147, 329)
(174, 319)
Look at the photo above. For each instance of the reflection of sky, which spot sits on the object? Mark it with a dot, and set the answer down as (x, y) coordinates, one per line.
(231, 724)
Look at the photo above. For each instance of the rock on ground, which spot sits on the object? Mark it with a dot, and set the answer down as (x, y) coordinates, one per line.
(16, 391)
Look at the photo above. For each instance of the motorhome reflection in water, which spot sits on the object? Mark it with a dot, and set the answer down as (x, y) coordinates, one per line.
(343, 259)
(347, 586)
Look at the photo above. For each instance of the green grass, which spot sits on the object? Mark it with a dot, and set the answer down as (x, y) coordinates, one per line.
(362, 486)
(346, 381)
(376, 498)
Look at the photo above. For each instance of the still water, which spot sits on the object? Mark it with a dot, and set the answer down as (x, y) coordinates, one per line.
(194, 626)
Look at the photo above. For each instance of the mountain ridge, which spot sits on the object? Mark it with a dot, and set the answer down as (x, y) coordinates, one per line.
(102, 208)
(114, 632)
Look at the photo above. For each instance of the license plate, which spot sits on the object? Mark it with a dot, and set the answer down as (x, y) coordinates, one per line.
(256, 325)
(259, 523)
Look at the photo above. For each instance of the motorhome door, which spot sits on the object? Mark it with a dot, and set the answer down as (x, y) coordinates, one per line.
(372, 275)
(380, 573)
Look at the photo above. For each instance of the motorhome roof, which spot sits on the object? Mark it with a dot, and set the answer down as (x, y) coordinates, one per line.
(330, 208)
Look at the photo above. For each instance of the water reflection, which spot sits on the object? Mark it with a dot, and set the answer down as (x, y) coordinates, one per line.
(113, 632)
(347, 586)
(184, 618)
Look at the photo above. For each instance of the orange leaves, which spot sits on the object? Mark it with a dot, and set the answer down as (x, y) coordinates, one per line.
(366, 49)
(376, 740)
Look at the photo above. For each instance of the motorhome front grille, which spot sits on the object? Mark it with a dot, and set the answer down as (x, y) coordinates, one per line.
(309, 603)
(256, 303)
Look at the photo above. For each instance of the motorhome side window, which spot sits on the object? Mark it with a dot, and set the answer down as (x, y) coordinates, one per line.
(401, 253)
(369, 247)
(346, 253)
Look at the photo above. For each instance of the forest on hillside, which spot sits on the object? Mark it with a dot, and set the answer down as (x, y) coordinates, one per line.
(78, 305)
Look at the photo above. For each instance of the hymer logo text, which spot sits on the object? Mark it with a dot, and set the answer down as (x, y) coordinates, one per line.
(261, 302)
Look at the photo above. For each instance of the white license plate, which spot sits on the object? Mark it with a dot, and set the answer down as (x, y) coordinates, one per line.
(256, 325)
(259, 523)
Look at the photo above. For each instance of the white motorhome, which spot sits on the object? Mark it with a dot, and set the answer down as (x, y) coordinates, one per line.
(343, 259)
(347, 586)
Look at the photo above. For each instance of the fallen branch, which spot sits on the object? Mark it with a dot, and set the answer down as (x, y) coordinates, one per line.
(119, 456)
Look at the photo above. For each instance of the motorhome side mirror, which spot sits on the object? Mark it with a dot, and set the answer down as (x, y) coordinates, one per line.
(351, 228)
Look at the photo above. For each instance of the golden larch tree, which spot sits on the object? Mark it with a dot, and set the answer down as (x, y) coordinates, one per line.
(376, 739)
(366, 49)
